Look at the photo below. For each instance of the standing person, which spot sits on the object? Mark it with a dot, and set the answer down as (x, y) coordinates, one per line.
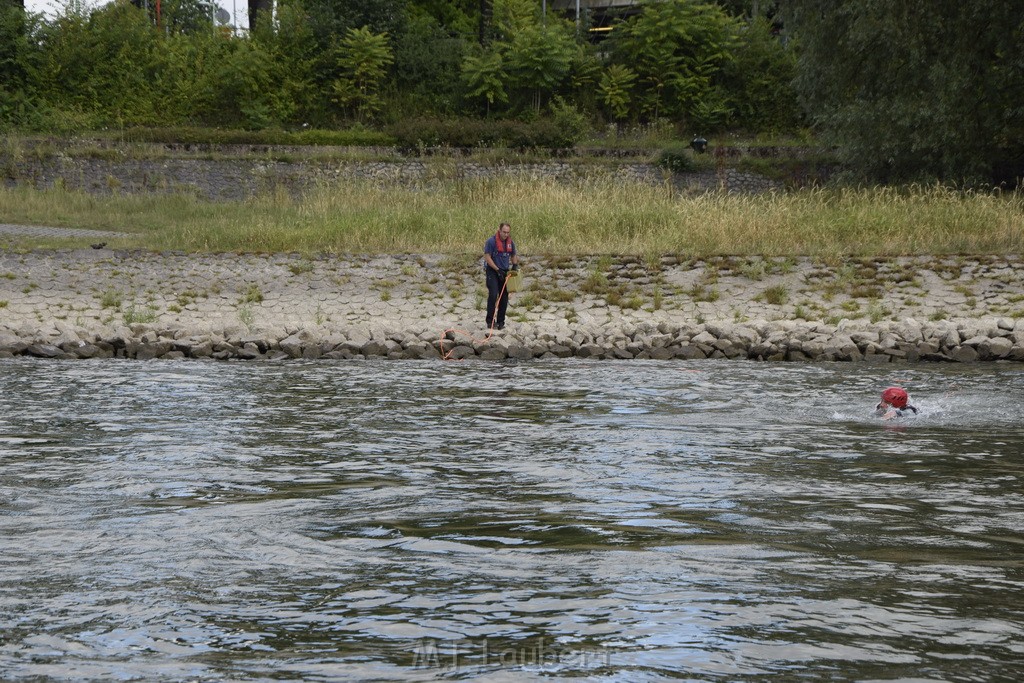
(499, 256)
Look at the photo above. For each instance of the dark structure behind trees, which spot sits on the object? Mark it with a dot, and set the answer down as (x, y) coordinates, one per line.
(260, 11)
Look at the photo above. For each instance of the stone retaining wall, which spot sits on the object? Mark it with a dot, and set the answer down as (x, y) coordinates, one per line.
(906, 341)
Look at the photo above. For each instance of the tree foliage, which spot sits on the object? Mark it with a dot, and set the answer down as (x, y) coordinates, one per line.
(364, 57)
(616, 86)
(758, 81)
(677, 49)
(485, 77)
(17, 66)
(328, 63)
(916, 89)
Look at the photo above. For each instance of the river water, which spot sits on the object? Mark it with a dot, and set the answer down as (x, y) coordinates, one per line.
(420, 520)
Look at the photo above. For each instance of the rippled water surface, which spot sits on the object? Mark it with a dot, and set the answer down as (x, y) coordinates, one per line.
(405, 520)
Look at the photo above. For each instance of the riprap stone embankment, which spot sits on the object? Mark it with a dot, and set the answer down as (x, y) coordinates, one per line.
(102, 303)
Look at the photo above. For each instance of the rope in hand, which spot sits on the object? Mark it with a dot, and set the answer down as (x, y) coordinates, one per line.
(464, 333)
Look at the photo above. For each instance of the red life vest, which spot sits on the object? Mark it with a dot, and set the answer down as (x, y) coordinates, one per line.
(503, 246)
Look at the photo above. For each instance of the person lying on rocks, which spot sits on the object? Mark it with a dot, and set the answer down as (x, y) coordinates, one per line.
(894, 404)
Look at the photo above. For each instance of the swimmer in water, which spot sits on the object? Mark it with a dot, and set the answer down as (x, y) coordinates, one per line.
(894, 404)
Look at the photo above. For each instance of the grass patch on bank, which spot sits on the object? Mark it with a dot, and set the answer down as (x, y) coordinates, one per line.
(593, 216)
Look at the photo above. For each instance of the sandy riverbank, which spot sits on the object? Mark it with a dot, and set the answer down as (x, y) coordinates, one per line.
(99, 302)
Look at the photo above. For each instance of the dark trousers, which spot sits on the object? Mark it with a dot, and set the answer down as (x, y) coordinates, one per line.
(495, 283)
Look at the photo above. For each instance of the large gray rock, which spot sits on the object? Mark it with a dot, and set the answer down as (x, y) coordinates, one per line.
(249, 351)
(964, 354)
(862, 337)
(461, 352)
(842, 347)
(493, 353)
(909, 330)
(203, 349)
(950, 339)
(45, 351)
(520, 352)
(997, 347)
(690, 352)
(292, 345)
(88, 351)
(375, 348)
(705, 338)
(152, 350)
(560, 351)
(421, 350)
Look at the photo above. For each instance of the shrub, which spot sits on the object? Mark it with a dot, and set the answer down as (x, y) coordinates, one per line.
(775, 295)
(676, 158)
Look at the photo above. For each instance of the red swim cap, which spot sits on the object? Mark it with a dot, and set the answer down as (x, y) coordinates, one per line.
(895, 396)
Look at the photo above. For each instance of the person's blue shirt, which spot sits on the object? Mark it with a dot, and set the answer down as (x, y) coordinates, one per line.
(502, 259)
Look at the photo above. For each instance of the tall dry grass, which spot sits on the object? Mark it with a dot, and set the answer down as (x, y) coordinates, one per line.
(597, 215)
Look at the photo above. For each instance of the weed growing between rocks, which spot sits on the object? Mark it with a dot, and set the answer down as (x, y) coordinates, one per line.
(133, 315)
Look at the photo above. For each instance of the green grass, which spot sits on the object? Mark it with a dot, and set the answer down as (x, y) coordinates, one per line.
(593, 216)
(252, 295)
(134, 315)
(775, 295)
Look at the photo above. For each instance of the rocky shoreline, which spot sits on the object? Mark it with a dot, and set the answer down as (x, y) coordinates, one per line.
(764, 341)
(98, 303)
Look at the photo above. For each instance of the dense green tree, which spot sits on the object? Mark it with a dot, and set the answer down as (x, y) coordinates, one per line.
(758, 81)
(241, 90)
(293, 53)
(330, 19)
(177, 16)
(186, 16)
(584, 74)
(102, 64)
(677, 48)
(539, 59)
(485, 77)
(535, 56)
(364, 57)
(915, 89)
(323, 62)
(188, 71)
(459, 17)
(17, 57)
(749, 9)
(428, 63)
(616, 90)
